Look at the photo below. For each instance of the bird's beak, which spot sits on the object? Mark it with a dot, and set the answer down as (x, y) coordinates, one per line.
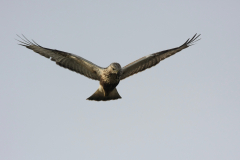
(116, 72)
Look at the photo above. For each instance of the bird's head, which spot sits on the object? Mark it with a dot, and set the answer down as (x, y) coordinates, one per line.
(115, 68)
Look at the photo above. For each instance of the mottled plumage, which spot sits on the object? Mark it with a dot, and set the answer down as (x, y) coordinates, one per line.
(109, 77)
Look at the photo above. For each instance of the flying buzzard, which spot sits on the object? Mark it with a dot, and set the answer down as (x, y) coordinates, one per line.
(109, 77)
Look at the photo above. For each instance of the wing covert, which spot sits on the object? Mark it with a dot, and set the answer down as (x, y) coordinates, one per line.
(153, 59)
(66, 60)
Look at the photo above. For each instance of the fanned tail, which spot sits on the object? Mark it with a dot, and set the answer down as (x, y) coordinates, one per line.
(99, 95)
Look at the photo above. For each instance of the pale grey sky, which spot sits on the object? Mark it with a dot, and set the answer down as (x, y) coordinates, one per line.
(185, 108)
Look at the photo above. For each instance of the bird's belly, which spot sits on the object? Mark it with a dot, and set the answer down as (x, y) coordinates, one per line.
(108, 87)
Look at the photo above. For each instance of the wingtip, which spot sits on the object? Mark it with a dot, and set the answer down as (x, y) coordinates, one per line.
(25, 42)
(193, 40)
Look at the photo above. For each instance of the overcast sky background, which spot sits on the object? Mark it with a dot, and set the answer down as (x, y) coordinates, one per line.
(185, 108)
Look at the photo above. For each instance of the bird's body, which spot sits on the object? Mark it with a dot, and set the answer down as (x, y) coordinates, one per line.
(109, 80)
(108, 77)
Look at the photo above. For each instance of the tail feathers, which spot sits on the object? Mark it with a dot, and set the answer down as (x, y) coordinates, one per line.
(99, 95)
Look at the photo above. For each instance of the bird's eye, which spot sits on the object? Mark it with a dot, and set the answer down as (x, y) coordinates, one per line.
(113, 68)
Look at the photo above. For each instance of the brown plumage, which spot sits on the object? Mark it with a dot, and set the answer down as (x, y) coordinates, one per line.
(109, 77)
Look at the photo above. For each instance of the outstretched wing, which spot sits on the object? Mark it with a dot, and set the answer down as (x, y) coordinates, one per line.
(66, 60)
(153, 59)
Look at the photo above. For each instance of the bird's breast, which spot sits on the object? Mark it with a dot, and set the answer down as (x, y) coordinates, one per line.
(109, 81)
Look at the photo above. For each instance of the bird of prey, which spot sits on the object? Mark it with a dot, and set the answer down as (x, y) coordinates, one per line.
(109, 77)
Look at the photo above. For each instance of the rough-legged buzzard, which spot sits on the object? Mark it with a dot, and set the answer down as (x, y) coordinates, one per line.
(109, 77)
